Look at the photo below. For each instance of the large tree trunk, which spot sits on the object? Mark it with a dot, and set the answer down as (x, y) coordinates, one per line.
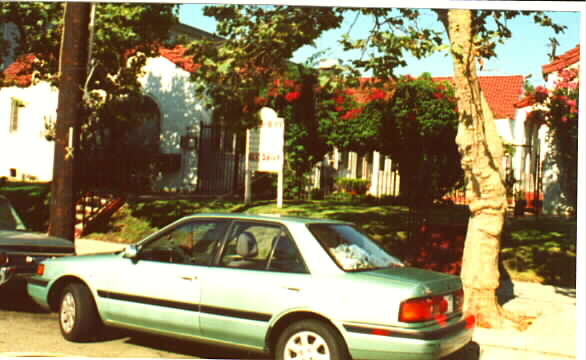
(482, 152)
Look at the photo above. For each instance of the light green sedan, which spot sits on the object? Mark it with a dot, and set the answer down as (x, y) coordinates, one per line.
(294, 288)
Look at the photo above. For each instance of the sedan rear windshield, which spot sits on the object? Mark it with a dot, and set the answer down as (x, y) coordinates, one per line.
(351, 249)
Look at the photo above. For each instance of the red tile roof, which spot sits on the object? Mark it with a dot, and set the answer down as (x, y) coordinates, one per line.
(563, 61)
(19, 72)
(177, 56)
(502, 93)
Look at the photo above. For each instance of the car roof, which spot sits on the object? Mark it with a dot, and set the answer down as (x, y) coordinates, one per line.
(265, 217)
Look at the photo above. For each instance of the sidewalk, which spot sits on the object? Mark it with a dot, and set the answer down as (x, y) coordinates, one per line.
(551, 336)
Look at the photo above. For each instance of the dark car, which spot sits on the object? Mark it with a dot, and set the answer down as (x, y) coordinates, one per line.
(20, 249)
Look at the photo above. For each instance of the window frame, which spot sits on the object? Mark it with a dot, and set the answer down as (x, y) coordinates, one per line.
(15, 105)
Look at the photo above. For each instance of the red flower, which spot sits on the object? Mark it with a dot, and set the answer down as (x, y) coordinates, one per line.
(438, 95)
(273, 92)
(376, 94)
(289, 84)
(339, 108)
(339, 100)
(541, 94)
(259, 100)
(292, 96)
(350, 114)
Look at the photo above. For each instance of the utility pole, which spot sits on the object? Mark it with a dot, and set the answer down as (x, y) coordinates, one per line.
(72, 67)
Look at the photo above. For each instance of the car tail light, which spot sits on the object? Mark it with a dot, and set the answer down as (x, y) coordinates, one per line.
(40, 269)
(470, 321)
(423, 309)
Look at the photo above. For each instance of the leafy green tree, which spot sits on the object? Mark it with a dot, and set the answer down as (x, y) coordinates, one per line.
(415, 124)
(260, 40)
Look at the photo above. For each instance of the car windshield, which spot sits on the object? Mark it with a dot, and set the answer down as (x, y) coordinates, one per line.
(9, 219)
(351, 249)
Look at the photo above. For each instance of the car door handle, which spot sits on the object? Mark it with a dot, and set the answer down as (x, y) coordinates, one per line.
(188, 278)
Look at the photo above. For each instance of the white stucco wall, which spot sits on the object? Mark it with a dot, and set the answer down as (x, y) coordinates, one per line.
(26, 149)
(169, 86)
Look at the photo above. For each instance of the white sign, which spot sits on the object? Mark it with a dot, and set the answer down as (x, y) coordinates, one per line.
(265, 152)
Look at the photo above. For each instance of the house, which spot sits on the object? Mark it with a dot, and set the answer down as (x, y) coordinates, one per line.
(538, 172)
(183, 125)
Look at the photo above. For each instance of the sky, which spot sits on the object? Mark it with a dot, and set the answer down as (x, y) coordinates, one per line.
(523, 54)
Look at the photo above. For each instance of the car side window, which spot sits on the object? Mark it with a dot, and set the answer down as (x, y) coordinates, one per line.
(261, 247)
(190, 243)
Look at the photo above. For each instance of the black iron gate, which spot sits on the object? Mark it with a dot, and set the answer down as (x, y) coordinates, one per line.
(220, 162)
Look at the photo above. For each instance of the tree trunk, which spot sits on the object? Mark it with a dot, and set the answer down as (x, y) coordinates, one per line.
(482, 152)
(72, 67)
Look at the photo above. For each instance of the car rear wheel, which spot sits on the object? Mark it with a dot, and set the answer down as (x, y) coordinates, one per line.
(78, 316)
(310, 340)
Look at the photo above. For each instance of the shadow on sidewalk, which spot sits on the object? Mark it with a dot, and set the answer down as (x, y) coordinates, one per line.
(468, 352)
(506, 290)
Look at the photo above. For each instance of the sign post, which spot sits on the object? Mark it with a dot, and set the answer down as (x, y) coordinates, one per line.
(264, 151)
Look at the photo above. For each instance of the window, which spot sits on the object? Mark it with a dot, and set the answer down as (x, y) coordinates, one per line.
(15, 106)
(192, 243)
(262, 247)
(351, 249)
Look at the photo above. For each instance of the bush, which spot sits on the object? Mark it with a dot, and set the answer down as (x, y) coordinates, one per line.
(353, 186)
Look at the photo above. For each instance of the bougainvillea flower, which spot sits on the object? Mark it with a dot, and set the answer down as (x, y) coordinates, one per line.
(350, 114)
(376, 94)
(292, 96)
(289, 84)
(259, 100)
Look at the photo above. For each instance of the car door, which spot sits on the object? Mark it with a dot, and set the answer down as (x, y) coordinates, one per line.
(259, 274)
(160, 288)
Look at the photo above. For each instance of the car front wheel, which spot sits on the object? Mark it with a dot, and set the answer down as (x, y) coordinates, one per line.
(310, 340)
(78, 316)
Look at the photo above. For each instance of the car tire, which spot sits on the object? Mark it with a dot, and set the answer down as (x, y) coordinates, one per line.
(305, 338)
(78, 316)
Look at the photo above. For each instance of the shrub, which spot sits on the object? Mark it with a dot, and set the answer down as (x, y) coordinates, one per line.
(353, 186)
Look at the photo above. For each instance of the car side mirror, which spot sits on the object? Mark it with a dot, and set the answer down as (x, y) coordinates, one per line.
(130, 252)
